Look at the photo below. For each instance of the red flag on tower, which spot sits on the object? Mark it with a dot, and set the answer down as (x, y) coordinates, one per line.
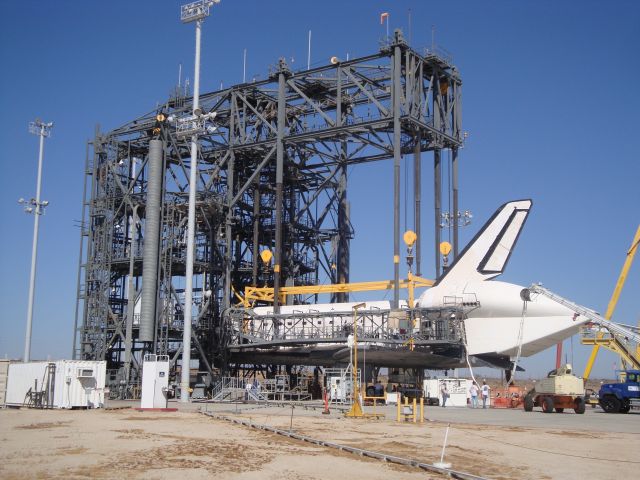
(383, 16)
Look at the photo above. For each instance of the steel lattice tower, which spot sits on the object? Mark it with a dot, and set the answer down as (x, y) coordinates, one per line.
(272, 175)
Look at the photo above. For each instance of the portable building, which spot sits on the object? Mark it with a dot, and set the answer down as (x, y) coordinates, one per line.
(57, 384)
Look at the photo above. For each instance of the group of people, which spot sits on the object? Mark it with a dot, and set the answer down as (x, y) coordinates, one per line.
(474, 391)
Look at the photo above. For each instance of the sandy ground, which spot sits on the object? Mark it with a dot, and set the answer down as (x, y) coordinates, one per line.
(125, 443)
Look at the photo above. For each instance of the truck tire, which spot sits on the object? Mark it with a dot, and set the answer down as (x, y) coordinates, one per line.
(610, 404)
(547, 404)
(625, 407)
(559, 410)
(528, 403)
(580, 405)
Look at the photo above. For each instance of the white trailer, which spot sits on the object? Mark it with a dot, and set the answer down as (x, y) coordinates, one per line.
(458, 389)
(57, 384)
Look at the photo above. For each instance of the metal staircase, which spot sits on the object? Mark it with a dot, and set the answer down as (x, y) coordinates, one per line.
(620, 336)
(232, 389)
(616, 329)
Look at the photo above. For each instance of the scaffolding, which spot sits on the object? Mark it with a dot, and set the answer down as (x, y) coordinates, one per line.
(272, 174)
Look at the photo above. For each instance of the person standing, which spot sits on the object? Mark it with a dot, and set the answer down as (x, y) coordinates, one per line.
(445, 393)
(486, 391)
(473, 391)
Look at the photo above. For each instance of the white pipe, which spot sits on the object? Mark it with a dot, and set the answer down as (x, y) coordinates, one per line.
(309, 53)
(444, 445)
(244, 66)
(193, 177)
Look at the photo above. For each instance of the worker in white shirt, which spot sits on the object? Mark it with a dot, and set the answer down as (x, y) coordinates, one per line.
(486, 392)
(473, 391)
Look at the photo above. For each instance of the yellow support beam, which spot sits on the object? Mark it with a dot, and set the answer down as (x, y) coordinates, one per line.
(614, 301)
(265, 294)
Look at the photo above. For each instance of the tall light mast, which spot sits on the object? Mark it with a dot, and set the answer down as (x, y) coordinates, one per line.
(36, 207)
(192, 12)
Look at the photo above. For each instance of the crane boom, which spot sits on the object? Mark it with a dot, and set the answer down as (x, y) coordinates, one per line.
(611, 307)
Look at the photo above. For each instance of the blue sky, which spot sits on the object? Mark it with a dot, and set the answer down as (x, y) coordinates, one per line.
(549, 100)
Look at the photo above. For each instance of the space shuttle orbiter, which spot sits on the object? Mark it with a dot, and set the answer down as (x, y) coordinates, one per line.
(497, 324)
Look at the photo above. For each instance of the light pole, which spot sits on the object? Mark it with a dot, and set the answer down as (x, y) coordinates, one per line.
(36, 207)
(192, 12)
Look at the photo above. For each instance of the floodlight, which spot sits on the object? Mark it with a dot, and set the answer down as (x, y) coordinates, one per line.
(194, 11)
(40, 128)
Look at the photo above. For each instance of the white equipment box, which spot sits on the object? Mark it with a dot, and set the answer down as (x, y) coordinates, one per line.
(338, 389)
(458, 389)
(392, 398)
(155, 381)
(57, 384)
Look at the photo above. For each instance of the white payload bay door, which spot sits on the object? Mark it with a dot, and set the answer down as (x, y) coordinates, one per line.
(155, 381)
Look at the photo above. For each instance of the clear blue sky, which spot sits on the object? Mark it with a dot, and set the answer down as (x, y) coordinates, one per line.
(550, 102)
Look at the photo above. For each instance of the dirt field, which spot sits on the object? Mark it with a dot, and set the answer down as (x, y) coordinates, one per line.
(125, 443)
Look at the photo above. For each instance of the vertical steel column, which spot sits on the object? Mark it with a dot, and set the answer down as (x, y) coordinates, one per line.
(131, 298)
(396, 174)
(87, 347)
(437, 175)
(458, 134)
(83, 227)
(454, 181)
(279, 174)
(226, 301)
(151, 242)
(343, 207)
(256, 232)
(343, 226)
(417, 192)
(437, 192)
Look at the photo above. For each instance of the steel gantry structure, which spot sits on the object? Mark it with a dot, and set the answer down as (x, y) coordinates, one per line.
(272, 174)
